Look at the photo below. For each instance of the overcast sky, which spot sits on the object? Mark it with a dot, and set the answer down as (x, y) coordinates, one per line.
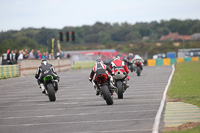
(17, 14)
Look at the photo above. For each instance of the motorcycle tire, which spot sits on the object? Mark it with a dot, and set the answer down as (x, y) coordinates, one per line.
(51, 92)
(106, 95)
(120, 89)
(131, 68)
(138, 71)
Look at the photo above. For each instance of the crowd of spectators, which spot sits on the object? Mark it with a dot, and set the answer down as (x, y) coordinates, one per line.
(13, 55)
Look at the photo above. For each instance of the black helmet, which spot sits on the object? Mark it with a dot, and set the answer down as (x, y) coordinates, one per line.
(99, 60)
(44, 62)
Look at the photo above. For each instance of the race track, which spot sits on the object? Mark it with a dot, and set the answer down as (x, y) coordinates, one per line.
(24, 109)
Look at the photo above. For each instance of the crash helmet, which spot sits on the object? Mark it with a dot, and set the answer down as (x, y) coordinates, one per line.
(99, 61)
(136, 56)
(44, 62)
(130, 54)
(117, 57)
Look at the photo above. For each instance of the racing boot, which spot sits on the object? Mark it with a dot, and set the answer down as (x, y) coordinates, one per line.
(42, 88)
(56, 85)
(125, 85)
(111, 83)
(96, 88)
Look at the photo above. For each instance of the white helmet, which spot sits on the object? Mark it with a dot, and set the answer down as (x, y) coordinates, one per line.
(137, 56)
(44, 62)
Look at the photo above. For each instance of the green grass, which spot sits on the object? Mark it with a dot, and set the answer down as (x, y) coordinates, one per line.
(186, 83)
(83, 64)
(194, 130)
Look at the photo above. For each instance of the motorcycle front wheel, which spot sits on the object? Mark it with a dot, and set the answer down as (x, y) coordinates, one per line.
(51, 92)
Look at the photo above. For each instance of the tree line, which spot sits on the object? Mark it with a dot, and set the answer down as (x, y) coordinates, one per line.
(99, 35)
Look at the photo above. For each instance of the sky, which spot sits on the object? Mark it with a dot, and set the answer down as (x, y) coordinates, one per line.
(18, 14)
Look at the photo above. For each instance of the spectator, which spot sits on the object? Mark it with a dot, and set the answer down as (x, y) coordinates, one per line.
(16, 55)
(12, 55)
(68, 55)
(36, 55)
(44, 55)
(39, 56)
(9, 57)
(47, 55)
(61, 54)
(31, 55)
(51, 56)
(58, 55)
(25, 54)
(20, 55)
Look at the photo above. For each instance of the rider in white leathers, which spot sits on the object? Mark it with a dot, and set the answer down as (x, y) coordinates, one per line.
(137, 57)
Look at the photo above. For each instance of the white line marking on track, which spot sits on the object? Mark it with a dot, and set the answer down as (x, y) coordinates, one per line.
(69, 96)
(162, 104)
(79, 108)
(76, 122)
(80, 114)
(116, 131)
(42, 104)
(88, 98)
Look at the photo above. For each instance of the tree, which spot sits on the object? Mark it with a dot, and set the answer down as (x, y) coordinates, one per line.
(7, 44)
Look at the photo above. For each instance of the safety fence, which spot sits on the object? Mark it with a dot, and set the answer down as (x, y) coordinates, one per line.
(8, 71)
(29, 67)
(169, 61)
(83, 64)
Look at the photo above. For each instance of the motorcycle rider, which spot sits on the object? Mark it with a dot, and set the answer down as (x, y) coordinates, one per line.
(129, 60)
(137, 57)
(101, 68)
(117, 63)
(43, 70)
(130, 56)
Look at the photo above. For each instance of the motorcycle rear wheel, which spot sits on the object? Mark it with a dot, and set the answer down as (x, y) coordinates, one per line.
(106, 95)
(119, 89)
(51, 92)
(138, 70)
(131, 68)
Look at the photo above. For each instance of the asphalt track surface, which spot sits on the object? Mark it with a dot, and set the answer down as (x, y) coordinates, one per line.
(24, 109)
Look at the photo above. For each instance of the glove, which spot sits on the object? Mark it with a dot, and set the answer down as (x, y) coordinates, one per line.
(58, 78)
(113, 73)
(90, 79)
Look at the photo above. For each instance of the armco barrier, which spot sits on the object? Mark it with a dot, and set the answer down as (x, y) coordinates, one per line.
(83, 64)
(28, 67)
(151, 62)
(195, 58)
(187, 59)
(8, 71)
(180, 60)
(173, 60)
(169, 61)
(159, 62)
(166, 62)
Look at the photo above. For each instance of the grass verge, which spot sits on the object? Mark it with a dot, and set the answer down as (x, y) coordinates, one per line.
(185, 86)
(194, 130)
(186, 83)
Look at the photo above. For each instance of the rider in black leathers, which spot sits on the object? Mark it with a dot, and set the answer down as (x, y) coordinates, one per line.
(44, 70)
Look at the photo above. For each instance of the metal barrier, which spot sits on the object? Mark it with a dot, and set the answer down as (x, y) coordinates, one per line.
(168, 61)
(8, 71)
